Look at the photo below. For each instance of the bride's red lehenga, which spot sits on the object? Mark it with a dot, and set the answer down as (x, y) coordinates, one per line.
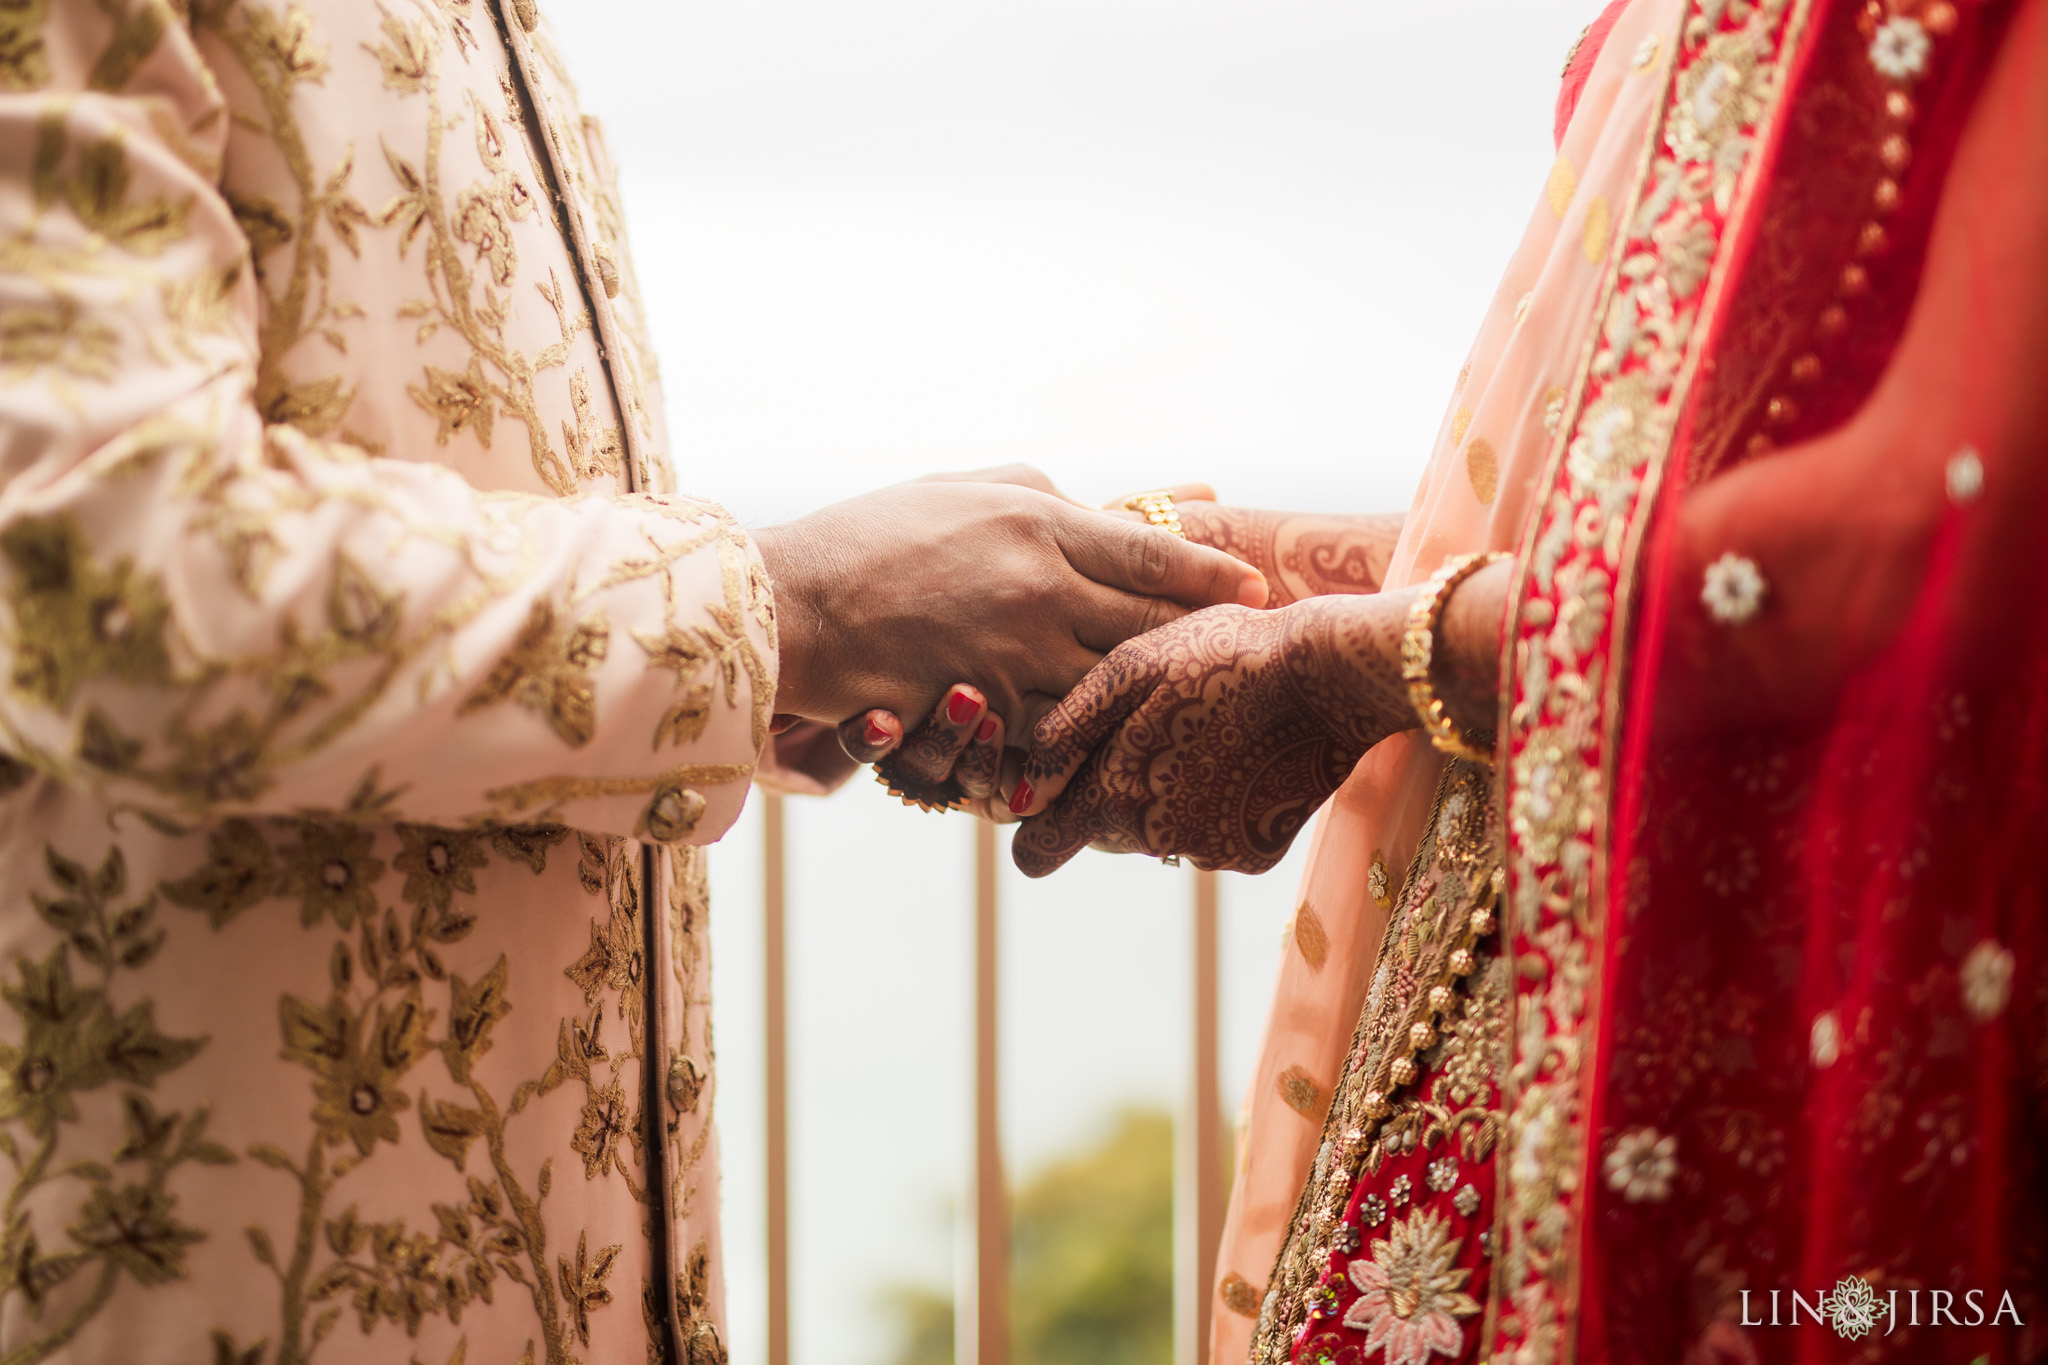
(1712, 1026)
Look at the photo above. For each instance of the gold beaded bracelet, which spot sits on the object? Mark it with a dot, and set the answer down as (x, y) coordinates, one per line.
(1418, 647)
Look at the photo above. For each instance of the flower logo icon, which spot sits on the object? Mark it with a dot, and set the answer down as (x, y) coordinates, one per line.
(1852, 1308)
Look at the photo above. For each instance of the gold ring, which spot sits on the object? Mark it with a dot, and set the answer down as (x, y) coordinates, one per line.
(1158, 510)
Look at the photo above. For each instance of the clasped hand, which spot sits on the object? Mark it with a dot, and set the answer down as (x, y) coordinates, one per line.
(885, 600)
(1213, 736)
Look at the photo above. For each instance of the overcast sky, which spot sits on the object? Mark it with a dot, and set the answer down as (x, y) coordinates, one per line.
(1133, 242)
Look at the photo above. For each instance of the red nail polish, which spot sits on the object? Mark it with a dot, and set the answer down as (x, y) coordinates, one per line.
(987, 731)
(961, 708)
(1021, 800)
(875, 733)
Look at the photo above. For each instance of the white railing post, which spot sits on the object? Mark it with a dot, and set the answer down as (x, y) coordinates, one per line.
(1198, 1150)
(775, 969)
(981, 1321)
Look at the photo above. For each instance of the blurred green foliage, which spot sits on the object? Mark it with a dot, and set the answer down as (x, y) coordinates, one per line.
(1091, 1269)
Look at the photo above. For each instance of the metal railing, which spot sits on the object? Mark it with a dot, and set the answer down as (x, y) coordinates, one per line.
(981, 1299)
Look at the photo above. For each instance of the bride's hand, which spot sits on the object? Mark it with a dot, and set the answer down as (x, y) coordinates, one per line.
(1216, 736)
(955, 758)
(1300, 554)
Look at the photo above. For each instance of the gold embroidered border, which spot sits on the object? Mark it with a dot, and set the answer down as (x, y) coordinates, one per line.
(1446, 911)
(1566, 649)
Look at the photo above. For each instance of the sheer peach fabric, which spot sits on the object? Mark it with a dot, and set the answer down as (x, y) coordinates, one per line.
(1474, 495)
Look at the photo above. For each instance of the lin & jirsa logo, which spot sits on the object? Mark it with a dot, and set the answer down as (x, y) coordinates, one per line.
(1854, 1308)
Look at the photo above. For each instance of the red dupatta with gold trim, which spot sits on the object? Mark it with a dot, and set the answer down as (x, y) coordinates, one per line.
(1776, 725)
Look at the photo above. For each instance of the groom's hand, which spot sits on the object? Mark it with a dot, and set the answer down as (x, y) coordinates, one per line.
(885, 600)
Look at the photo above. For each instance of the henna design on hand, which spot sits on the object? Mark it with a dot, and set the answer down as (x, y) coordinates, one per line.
(1216, 737)
(1332, 560)
(980, 767)
(1301, 554)
(953, 759)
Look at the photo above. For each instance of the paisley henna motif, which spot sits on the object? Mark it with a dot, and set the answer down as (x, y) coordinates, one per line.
(1301, 554)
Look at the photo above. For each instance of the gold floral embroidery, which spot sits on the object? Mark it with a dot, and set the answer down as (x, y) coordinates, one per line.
(605, 1122)
(239, 872)
(548, 670)
(74, 1040)
(75, 620)
(1300, 1092)
(1568, 625)
(163, 722)
(482, 221)
(97, 193)
(288, 42)
(24, 60)
(459, 401)
(699, 1334)
(583, 1284)
(438, 863)
(1430, 973)
(406, 54)
(471, 1012)
(360, 1065)
(55, 337)
(1239, 1296)
(331, 872)
(593, 449)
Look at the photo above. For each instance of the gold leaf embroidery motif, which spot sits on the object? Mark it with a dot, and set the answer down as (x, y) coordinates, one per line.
(583, 1284)
(406, 55)
(55, 336)
(136, 35)
(261, 221)
(239, 872)
(315, 408)
(472, 1010)
(461, 401)
(97, 192)
(548, 670)
(288, 42)
(75, 620)
(24, 61)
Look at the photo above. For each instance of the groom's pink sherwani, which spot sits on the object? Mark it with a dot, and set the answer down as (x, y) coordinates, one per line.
(342, 576)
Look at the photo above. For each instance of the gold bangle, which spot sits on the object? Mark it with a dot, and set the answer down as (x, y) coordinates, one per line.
(1418, 647)
(1159, 511)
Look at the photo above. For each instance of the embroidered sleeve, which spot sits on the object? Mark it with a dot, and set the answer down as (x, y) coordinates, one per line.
(202, 612)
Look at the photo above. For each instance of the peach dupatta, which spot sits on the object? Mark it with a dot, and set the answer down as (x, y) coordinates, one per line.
(1475, 495)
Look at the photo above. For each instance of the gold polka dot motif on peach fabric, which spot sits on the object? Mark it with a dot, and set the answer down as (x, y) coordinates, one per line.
(1599, 230)
(1310, 937)
(1562, 185)
(1301, 1093)
(1482, 467)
